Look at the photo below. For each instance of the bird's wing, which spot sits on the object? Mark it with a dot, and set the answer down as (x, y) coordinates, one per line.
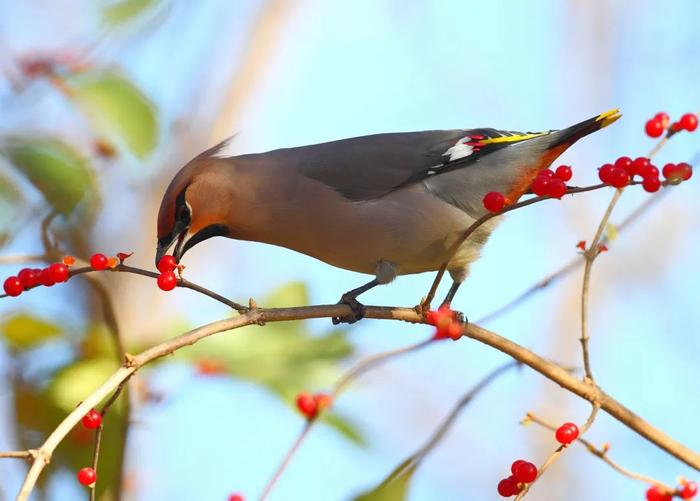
(369, 167)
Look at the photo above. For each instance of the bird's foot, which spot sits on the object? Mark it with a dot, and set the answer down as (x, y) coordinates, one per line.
(357, 310)
(456, 314)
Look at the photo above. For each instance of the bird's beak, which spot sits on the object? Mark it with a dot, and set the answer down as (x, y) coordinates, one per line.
(178, 251)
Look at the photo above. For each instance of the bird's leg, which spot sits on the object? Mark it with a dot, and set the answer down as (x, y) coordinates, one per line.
(448, 301)
(350, 298)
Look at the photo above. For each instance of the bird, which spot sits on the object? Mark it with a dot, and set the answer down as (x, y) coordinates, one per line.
(385, 204)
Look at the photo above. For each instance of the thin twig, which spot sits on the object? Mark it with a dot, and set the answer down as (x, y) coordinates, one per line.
(17, 454)
(425, 304)
(287, 459)
(602, 453)
(574, 263)
(360, 368)
(450, 419)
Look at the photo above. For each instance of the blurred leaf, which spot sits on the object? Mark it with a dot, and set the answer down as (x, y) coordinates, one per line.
(23, 331)
(117, 108)
(123, 11)
(98, 343)
(394, 487)
(10, 203)
(55, 169)
(291, 294)
(344, 427)
(75, 382)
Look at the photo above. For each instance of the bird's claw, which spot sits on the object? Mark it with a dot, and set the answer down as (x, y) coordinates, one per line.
(357, 311)
(460, 317)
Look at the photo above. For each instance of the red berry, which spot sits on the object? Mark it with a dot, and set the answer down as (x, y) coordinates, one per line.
(650, 171)
(688, 490)
(665, 119)
(546, 173)
(87, 476)
(515, 465)
(236, 497)
(619, 178)
(27, 277)
(507, 487)
(99, 262)
(638, 165)
(323, 401)
(58, 272)
(564, 173)
(654, 127)
(539, 185)
(13, 286)
(654, 493)
(167, 281)
(651, 184)
(566, 433)
(525, 472)
(669, 172)
(167, 263)
(623, 163)
(685, 170)
(307, 405)
(556, 188)
(45, 278)
(92, 419)
(689, 122)
(676, 127)
(68, 260)
(605, 173)
(494, 201)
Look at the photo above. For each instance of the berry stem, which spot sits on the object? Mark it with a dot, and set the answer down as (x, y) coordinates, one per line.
(602, 454)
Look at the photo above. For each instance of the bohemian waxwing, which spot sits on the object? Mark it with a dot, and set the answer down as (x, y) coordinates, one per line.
(385, 204)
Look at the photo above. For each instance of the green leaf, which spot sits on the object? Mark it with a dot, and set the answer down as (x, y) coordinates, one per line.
(55, 169)
(73, 383)
(394, 487)
(117, 108)
(23, 331)
(10, 204)
(123, 11)
(345, 427)
(291, 294)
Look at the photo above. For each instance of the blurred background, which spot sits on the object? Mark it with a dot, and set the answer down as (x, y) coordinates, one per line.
(103, 101)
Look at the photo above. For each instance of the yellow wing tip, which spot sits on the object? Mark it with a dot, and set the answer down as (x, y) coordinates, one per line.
(608, 117)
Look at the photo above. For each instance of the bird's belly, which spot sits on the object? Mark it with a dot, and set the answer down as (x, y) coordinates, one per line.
(410, 228)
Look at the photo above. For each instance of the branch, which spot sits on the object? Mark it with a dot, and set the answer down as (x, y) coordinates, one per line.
(602, 453)
(362, 367)
(258, 316)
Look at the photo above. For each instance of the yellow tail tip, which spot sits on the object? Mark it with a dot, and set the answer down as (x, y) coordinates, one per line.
(608, 117)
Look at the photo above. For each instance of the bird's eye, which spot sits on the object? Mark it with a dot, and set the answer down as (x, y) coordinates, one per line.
(183, 213)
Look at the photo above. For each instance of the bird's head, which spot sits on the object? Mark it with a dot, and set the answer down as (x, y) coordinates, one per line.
(194, 206)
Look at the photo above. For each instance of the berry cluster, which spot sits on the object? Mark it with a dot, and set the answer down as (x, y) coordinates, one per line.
(552, 183)
(523, 472)
(549, 183)
(566, 433)
(311, 405)
(446, 323)
(686, 490)
(28, 278)
(167, 280)
(622, 172)
(657, 125)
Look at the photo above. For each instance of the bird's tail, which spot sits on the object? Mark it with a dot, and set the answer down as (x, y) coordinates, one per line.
(567, 137)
